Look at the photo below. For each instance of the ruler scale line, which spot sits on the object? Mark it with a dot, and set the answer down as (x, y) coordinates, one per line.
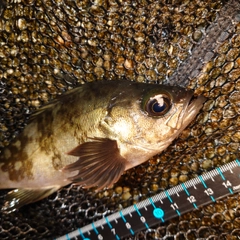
(185, 197)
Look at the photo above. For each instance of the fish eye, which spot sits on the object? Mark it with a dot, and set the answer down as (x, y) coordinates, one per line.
(158, 105)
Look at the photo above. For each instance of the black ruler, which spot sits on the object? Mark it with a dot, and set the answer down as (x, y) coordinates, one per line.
(185, 197)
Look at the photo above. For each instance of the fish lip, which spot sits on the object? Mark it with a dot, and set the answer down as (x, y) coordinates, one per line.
(195, 102)
(187, 107)
(193, 106)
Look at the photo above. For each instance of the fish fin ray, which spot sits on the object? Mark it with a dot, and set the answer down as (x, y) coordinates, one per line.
(65, 97)
(22, 196)
(101, 154)
(41, 110)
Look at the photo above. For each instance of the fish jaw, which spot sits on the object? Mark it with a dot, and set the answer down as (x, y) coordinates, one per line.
(186, 111)
(191, 110)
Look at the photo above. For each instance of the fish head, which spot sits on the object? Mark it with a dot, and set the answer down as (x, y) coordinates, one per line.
(151, 118)
(171, 106)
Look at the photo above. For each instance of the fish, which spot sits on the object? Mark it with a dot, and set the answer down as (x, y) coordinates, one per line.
(91, 134)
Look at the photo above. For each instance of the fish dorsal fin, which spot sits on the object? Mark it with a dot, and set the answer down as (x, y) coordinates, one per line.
(65, 97)
(41, 110)
(20, 197)
(100, 163)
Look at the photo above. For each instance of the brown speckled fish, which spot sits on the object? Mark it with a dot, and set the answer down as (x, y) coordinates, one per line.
(91, 135)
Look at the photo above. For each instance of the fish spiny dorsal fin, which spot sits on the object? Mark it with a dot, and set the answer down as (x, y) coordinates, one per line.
(39, 111)
(100, 163)
(20, 197)
(65, 97)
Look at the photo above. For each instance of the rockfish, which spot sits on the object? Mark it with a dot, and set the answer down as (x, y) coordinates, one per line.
(91, 135)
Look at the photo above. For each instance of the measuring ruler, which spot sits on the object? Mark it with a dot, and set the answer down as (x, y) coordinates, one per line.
(202, 190)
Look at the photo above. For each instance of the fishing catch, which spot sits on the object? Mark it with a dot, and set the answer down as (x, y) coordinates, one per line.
(91, 135)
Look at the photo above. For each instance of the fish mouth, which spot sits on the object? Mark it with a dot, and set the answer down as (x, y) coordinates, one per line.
(185, 111)
(192, 108)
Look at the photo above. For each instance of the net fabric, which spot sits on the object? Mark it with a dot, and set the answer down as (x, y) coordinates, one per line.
(48, 47)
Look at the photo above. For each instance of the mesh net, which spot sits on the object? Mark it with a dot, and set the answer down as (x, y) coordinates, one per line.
(48, 47)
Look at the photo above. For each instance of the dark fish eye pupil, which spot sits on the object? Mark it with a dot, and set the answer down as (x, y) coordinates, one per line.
(158, 105)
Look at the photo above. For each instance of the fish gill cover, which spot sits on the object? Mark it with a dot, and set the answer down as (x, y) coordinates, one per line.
(48, 47)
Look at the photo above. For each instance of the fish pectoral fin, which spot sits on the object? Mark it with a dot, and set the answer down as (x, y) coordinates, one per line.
(100, 163)
(20, 197)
